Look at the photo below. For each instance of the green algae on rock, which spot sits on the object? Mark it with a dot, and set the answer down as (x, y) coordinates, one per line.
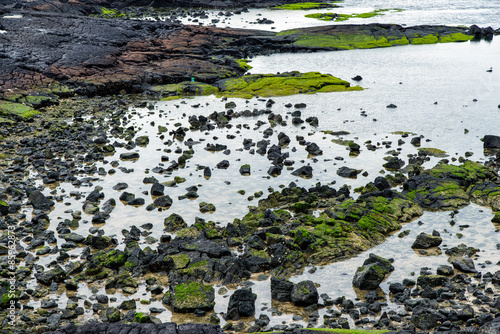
(185, 88)
(347, 37)
(433, 152)
(188, 297)
(345, 17)
(343, 41)
(306, 5)
(449, 187)
(248, 86)
(287, 83)
(343, 228)
(16, 110)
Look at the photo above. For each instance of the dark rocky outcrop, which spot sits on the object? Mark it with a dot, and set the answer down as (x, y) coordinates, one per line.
(281, 289)
(372, 273)
(241, 304)
(425, 241)
(490, 141)
(304, 293)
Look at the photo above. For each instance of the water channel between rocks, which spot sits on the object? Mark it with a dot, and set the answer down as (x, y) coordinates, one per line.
(411, 77)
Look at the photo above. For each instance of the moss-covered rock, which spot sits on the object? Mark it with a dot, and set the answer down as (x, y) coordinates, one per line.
(486, 193)
(305, 6)
(121, 281)
(343, 37)
(188, 297)
(287, 83)
(174, 222)
(16, 111)
(433, 152)
(113, 259)
(346, 226)
(185, 88)
(345, 17)
(8, 294)
(448, 187)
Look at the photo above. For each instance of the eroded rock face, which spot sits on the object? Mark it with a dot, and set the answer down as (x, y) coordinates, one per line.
(102, 56)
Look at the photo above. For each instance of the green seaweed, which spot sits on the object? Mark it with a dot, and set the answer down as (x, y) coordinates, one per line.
(111, 13)
(427, 39)
(17, 110)
(323, 16)
(306, 6)
(345, 17)
(288, 83)
(185, 88)
(244, 64)
(434, 152)
(455, 37)
(188, 297)
(342, 42)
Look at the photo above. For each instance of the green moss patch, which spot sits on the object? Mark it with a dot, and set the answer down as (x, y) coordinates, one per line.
(448, 187)
(187, 297)
(185, 88)
(110, 259)
(433, 152)
(347, 37)
(455, 37)
(264, 85)
(16, 110)
(111, 13)
(344, 228)
(306, 6)
(345, 17)
(288, 83)
(323, 16)
(244, 64)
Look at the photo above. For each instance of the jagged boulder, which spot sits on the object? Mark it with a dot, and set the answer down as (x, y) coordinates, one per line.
(281, 289)
(241, 304)
(372, 273)
(304, 294)
(188, 297)
(425, 241)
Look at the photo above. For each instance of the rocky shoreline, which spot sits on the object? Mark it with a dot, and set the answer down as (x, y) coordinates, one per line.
(68, 126)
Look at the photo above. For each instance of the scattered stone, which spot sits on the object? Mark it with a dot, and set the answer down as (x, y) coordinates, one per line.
(372, 273)
(348, 172)
(241, 304)
(304, 171)
(281, 289)
(129, 156)
(425, 241)
(304, 293)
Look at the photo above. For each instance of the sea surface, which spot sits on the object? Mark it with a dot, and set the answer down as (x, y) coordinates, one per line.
(483, 13)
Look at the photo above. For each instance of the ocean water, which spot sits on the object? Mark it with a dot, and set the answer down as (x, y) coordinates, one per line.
(483, 13)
